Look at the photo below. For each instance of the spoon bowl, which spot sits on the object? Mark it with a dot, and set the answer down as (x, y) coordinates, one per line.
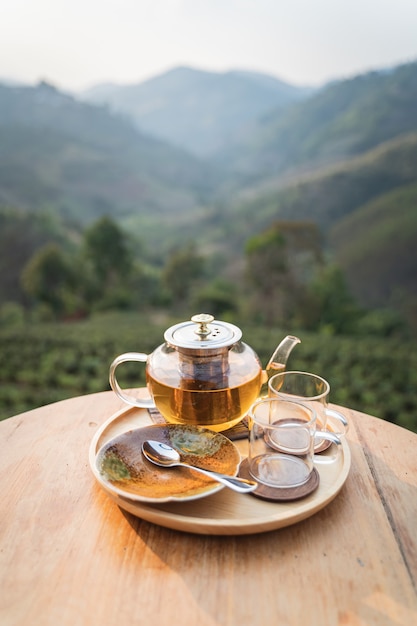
(164, 455)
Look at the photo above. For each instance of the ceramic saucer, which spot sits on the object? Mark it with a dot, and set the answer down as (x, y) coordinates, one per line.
(121, 468)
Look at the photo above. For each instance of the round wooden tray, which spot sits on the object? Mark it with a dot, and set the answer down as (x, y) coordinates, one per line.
(226, 512)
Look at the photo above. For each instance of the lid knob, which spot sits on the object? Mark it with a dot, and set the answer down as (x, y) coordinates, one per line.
(202, 319)
(202, 332)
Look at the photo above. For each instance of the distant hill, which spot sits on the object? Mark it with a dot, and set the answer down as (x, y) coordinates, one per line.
(329, 195)
(344, 157)
(366, 209)
(202, 112)
(376, 246)
(81, 161)
(342, 120)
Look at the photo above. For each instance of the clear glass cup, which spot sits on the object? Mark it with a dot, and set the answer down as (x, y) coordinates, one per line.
(282, 435)
(312, 390)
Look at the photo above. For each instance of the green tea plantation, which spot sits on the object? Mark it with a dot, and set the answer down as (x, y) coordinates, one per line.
(44, 363)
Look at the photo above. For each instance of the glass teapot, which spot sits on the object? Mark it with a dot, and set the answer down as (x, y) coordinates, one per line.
(203, 374)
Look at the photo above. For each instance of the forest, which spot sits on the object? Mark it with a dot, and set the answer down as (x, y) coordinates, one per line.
(82, 305)
(286, 280)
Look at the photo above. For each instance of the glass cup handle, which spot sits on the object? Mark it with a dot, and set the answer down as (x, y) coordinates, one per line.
(325, 434)
(340, 418)
(123, 358)
(322, 459)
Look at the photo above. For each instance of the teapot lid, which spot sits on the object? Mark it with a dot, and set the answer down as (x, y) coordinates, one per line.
(203, 331)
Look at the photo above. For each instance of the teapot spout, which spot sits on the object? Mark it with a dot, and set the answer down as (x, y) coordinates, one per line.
(279, 359)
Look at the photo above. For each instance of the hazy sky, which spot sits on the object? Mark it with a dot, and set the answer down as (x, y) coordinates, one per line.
(78, 43)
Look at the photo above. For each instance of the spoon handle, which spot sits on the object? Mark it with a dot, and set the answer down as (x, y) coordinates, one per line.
(240, 485)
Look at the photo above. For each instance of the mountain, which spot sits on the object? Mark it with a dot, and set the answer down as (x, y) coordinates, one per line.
(332, 193)
(199, 111)
(366, 211)
(344, 157)
(81, 161)
(342, 120)
(376, 246)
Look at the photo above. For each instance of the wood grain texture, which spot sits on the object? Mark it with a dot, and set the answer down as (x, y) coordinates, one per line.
(70, 556)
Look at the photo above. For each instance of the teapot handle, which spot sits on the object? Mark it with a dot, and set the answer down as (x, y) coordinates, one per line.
(145, 403)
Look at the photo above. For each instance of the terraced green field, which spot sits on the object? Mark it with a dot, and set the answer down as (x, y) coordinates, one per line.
(43, 363)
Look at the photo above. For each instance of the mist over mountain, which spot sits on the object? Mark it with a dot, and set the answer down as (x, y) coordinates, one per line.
(82, 161)
(343, 157)
(199, 111)
(343, 119)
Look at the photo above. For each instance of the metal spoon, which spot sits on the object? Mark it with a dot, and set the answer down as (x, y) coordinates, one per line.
(163, 455)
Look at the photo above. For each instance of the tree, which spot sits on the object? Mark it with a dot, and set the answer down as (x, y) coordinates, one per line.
(109, 265)
(182, 270)
(106, 248)
(280, 264)
(219, 298)
(21, 235)
(49, 278)
(332, 305)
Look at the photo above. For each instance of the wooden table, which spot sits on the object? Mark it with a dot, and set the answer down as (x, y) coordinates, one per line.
(70, 556)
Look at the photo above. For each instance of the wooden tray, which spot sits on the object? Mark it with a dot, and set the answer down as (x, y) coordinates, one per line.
(226, 512)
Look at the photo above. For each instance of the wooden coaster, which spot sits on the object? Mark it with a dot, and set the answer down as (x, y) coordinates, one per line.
(281, 494)
(156, 416)
(239, 431)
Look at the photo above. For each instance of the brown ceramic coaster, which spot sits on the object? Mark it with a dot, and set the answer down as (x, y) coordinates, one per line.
(282, 494)
(156, 416)
(239, 431)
